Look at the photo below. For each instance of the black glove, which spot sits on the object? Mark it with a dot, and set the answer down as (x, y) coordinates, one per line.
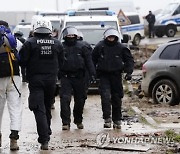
(93, 79)
(128, 77)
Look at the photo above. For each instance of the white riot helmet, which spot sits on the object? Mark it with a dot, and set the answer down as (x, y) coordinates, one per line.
(70, 30)
(111, 32)
(42, 25)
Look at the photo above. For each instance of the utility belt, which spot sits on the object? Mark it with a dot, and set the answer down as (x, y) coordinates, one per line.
(77, 74)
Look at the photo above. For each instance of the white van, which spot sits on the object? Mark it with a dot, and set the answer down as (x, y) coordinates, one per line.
(168, 21)
(92, 23)
(136, 27)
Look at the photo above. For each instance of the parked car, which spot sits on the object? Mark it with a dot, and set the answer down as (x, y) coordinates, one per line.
(167, 21)
(161, 74)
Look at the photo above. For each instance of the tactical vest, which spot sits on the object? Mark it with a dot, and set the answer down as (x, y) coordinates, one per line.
(73, 58)
(110, 59)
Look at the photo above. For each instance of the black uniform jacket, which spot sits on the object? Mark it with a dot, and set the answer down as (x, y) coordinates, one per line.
(41, 54)
(112, 58)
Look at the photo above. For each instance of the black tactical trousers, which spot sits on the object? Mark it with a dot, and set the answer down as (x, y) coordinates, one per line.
(75, 86)
(151, 30)
(111, 92)
(40, 99)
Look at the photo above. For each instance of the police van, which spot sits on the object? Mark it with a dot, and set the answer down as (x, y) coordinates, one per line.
(93, 23)
(135, 28)
(168, 21)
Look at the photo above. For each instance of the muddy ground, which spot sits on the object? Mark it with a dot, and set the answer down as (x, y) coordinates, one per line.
(94, 138)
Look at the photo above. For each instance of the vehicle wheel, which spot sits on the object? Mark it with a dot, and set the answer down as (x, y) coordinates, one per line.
(137, 39)
(159, 34)
(165, 92)
(170, 31)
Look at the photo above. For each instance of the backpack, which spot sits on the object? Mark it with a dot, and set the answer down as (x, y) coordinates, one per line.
(8, 60)
(6, 39)
(8, 64)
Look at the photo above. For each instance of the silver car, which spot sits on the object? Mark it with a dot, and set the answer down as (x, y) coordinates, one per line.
(161, 74)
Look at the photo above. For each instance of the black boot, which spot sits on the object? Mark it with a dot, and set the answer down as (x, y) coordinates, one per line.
(44, 146)
(13, 140)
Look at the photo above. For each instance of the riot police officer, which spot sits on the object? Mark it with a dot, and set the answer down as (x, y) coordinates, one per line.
(40, 55)
(77, 59)
(111, 59)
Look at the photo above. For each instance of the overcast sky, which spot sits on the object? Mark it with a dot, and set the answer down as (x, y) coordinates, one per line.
(33, 5)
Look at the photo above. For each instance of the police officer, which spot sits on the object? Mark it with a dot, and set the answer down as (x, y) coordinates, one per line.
(111, 59)
(77, 58)
(40, 55)
(10, 83)
(151, 21)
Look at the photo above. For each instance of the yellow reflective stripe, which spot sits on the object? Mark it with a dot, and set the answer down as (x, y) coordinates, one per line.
(11, 65)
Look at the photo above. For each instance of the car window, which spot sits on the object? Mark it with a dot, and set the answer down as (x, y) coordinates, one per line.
(171, 52)
(134, 19)
(177, 11)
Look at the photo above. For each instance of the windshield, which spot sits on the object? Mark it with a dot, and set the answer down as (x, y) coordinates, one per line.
(101, 23)
(55, 24)
(92, 36)
(169, 9)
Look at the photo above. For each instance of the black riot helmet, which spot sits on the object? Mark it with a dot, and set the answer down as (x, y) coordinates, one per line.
(70, 30)
(111, 32)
